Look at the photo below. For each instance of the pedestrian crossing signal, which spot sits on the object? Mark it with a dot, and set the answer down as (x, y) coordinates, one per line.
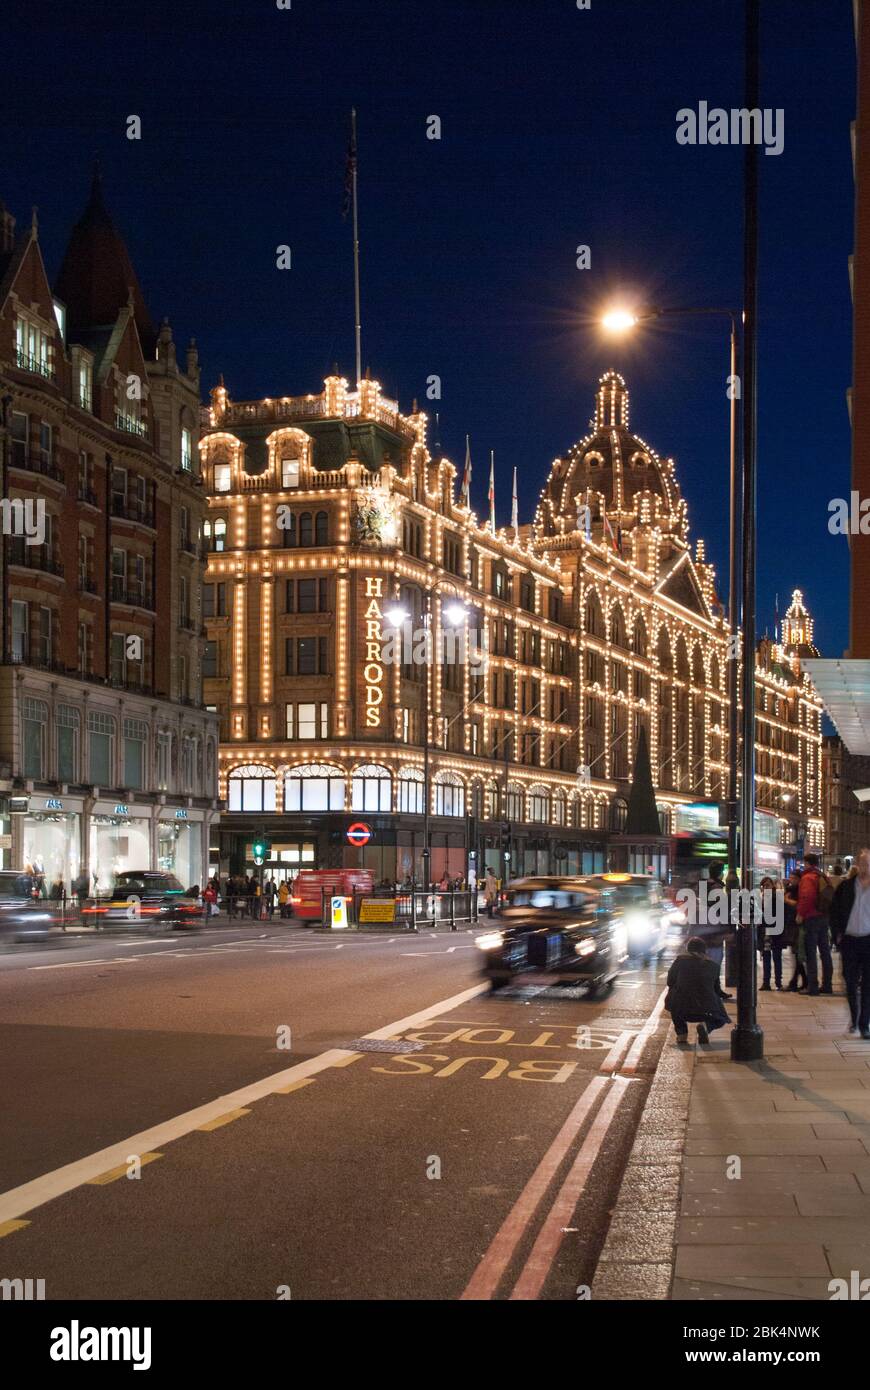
(260, 849)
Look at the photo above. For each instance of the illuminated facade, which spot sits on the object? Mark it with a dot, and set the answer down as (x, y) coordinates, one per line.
(552, 647)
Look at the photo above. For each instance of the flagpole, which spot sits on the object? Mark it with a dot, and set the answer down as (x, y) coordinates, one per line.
(515, 520)
(492, 491)
(358, 325)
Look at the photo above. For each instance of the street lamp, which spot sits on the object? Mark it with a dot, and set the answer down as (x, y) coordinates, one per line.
(622, 320)
(455, 614)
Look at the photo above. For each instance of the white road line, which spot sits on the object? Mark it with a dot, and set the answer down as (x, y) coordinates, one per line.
(35, 1193)
(632, 1061)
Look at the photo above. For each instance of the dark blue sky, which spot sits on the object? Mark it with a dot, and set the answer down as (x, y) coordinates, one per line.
(558, 129)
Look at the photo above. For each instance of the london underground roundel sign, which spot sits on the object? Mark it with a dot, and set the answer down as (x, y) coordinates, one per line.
(359, 834)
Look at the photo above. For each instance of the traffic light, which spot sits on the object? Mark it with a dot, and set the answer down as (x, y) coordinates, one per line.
(260, 849)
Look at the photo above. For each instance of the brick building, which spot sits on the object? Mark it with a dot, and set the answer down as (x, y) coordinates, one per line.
(107, 755)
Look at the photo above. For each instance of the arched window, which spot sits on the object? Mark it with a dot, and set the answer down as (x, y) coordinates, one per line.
(639, 639)
(477, 800)
(449, 794)
(491, 801)
(618, 813)
(559, 811)
(251, 788)
(514, 801)
(617, 627)
(314, 787)
(663, 648)
(372, 789)
(305, 529)
(412, 800)
(539, 804)
(287, 526)
(321, 529)
(594, 618)
(214, 533)
(698, 666)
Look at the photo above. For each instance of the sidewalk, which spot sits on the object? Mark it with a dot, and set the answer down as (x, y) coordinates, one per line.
(750, 1181)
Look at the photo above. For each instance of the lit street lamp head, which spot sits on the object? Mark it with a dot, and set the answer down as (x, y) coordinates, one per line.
(396, 617)
(619, 321)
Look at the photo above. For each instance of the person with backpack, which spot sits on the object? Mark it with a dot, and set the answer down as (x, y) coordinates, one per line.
(815, 897)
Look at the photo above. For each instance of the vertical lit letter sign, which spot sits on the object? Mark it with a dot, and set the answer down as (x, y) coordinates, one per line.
(373, 671)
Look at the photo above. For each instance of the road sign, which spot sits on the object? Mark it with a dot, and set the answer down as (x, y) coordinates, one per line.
(359, 834)
(338, 913)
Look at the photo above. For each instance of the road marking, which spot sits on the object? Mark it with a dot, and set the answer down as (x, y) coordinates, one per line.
(19, 1200)
(546, 1247)
(295, 1086)
(220, 1120)
(493, 1266)
(632, 1061)
(8, 1227)
(614, 1056)
(121, 1171)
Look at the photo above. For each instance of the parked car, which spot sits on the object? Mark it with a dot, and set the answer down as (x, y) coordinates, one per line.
(23, 917)
(559, 930)
(157, 899)
(640, 899)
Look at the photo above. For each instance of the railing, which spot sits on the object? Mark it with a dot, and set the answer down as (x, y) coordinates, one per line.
(133, 594)
(132, 510)
(33, 557)
(130, 424)
(35, 463)
(87, 494)
(34, 364)
(86, 586)
(406, 910)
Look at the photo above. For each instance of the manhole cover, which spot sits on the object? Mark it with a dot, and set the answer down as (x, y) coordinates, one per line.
(378, 1045)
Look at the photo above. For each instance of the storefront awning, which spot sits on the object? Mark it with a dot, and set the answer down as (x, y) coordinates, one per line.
(845, 689)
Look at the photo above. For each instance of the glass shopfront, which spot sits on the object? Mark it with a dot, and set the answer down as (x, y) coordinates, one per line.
(179, 849)
(118, 842)
(50, 846)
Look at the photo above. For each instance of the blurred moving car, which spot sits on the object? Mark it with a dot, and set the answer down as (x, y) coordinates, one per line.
(157, 899)
(23, 917)
(641, 901)
(558, 930)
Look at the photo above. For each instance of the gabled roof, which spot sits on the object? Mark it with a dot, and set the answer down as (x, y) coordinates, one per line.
(97, 277)
(681, 586)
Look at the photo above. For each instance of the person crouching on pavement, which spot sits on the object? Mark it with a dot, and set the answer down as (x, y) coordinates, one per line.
(850, 921)
(694, 993)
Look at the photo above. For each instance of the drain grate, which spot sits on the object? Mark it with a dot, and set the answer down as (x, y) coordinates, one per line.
(381, 1045)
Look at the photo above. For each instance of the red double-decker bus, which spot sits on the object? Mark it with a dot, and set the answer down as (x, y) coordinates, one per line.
(309, 885)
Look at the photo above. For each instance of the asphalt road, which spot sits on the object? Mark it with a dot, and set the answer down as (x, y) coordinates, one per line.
(473, 1149)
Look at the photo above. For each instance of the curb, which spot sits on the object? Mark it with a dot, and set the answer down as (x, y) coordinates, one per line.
(637, 1258)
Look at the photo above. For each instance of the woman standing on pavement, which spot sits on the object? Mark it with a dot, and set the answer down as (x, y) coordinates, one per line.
(794, 935)
(771, 947)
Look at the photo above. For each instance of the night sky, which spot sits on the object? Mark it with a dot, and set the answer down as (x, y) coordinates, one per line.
(558, 129)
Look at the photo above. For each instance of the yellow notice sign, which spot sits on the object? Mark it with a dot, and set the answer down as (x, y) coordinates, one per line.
(377, 910)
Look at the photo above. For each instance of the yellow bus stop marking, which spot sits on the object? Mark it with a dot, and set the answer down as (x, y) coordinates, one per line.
(121, 1171)
(223, 1120)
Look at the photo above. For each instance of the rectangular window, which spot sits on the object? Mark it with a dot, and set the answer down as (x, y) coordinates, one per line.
(186, 450)
(67, 726)
(208, 600)
(45, 443)
(210, 661)
(101, 749)
(289, 472)
(20, 631)
(306, 656)
(183, 603)
(307, 596)
(222, 479)
(84, 649)
(84, 384)
(135, 736)
(20, 439)
(35, 716)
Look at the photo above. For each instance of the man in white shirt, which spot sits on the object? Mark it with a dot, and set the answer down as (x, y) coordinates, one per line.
(850, 921)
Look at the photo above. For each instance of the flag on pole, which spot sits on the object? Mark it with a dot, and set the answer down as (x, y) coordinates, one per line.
(492, 491)
(465, 490)
(776, 620)
(515, 519)
(350, 167)
(588, 517)
(609, 529)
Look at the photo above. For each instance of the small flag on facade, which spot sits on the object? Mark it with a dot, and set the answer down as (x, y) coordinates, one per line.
(515, 517)
(465, 491)
(492, 491)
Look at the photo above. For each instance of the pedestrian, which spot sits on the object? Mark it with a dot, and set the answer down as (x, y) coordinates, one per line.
(252, 890)
(270, 895)
(836, 876)
(715, 928)
(490, 892)
(209, 899)
(814, 904)
(770, 946)
(283, 898)
(850, 924)
(80, 888)
(694, 993)
(444, 882)
(58, 890)
(794, 935)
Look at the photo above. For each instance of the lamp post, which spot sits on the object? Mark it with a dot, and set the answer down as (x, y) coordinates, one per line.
(622, 321)
(397, 616)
